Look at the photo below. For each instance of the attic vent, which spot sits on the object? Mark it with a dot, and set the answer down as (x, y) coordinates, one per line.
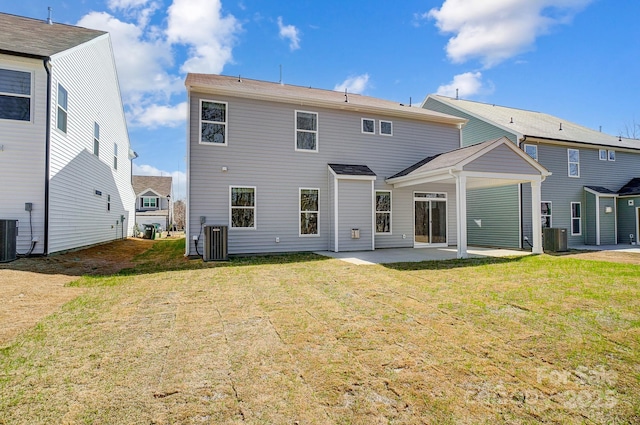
(49, 20)
(560, 127)
(511, 122)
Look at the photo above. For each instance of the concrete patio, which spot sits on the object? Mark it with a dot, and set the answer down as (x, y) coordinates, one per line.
(403, 255)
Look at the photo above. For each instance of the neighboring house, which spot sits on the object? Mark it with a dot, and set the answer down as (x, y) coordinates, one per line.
(65, 159)
(153, 200)
(290, 168)
(591, 191)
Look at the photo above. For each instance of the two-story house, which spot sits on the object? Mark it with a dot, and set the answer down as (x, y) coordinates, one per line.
(591, 192)
(153, 200)
(65, 159)
(288, 168)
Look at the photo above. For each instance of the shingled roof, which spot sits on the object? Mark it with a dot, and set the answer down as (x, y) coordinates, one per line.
(298, 95)
(160, 185)
(36, 38)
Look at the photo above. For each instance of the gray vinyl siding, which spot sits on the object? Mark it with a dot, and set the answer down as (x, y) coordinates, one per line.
(22, 159)
(497, 209)
(589, 225)
(475, 131)
(331, 212)
(260, 153)
(627, 219)
(355, 203)
(607, 221)
(501, 159)
(562, 190)
(493, 217)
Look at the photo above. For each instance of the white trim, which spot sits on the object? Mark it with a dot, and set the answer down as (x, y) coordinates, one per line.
(65, 110)
(446, 224)
(295, 131)
(569, 162)
(600, 152)
(376, 212)
(255, 208)
(579, 218)
(311, 235)
(30, 96)
(546, 215)
(536, 222)
(362, 120)
(336, 222)
(526, 145)
(156, 202)
(637, 226)
(380, 128)
(225, 123)
(461, 215)
(597, 219)
(609, 152)
(373, 216)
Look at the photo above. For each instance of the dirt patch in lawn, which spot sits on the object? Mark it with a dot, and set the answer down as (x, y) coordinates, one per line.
(33, 288)
(610, 256)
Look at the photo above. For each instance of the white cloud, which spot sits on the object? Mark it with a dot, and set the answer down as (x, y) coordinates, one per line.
(154, 116)
(499, 29)
(179, 181)
(467, 85)
(290, 33)
(357, 84)
(141, 62)
(210, 36)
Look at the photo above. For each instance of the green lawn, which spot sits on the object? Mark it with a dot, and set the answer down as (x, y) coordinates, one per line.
(302, 339)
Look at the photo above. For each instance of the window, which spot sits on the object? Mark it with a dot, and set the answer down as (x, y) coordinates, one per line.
(602, 154)
(383, 211)
(149, 202)
(108, 202)
(612, 155)
(573, 156)
(15, 95)
(545, 214)
(576, 219)
(115, 156)
(309, 207)
(243, 207)
(213, 122)
(306, 131)
(96, 139)
(368, 126)
(386, 128)
(532, 151)
(62, 108)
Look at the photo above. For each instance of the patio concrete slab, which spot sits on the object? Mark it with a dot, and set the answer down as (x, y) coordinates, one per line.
(404, 255)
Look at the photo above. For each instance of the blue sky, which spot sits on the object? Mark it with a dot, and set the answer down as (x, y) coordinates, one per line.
(577, 59)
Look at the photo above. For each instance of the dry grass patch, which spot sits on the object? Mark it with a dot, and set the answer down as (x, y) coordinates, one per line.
(301, 339)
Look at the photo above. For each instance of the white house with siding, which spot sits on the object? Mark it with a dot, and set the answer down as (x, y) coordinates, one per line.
(287, 168)
(64, 145)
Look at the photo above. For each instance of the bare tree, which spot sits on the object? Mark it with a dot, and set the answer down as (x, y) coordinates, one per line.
(179, 214)
(631, 131)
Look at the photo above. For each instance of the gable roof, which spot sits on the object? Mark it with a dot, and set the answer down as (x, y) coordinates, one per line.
(600, 190)
(534, 124)
(351, 170)
(307, 96)
(36, 38)
(160, 185)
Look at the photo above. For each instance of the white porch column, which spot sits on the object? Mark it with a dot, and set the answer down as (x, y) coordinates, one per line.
(536, 218)
(461, 214)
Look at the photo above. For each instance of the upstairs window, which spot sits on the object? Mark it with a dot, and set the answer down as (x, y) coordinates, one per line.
(96, 139)
(148, 202)
(612, 155)
(306, 131)
(15, 95)
(602, 154)
(368, 126)
(386, 128)
(532, 151)
(309, 211)
(62, 109)
(573, 158)
(213, 122)
(383, 211)
(115, 156)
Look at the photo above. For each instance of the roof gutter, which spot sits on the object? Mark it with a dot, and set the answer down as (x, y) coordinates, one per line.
(47, 66)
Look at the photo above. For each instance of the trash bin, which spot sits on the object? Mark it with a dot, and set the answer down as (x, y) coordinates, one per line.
(149, 231)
